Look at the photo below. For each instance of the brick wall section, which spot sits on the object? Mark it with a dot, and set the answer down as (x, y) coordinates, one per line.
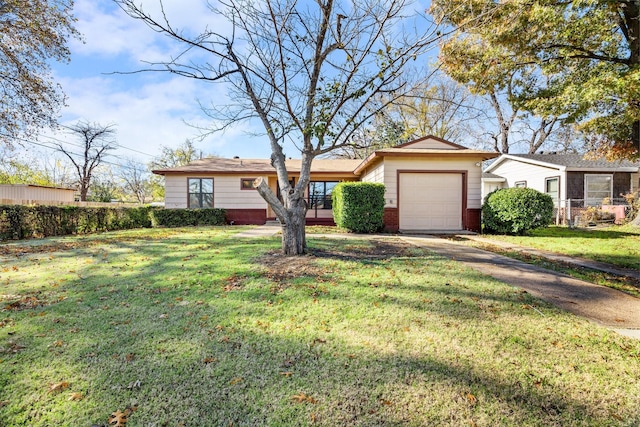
(247, 216)
(391, 219)
(474, 219)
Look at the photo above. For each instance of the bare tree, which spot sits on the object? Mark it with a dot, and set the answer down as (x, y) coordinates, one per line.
(309, 71)
(96, 141)
(135, 176)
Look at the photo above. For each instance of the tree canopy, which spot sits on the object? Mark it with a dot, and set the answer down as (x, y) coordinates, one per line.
(576, 61)
(32, 33)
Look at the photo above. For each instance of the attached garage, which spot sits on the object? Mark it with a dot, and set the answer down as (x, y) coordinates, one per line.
(431, 200)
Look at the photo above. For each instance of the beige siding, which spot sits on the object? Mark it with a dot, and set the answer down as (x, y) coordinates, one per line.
(226, 192)
(175, 191)
(635, 182)
(374, 175)
(534, 175)
(29, 192)
(431, 143)
(474, 175)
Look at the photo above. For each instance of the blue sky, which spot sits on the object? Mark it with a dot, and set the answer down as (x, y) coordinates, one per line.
(150, 109)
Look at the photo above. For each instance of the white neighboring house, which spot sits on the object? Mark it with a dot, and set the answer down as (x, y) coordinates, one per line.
(566, 177)
(25, 194)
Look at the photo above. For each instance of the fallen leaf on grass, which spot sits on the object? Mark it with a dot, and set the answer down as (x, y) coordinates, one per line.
(286, 374)
(386, 402)
(129, 357)
(209, 360)
(471, 398)
(120, 418)
(58, 387)
(303, 398)
(77, 396)
(236, 380)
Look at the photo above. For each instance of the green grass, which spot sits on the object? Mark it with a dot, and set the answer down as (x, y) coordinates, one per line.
(195, 327)
(618, 245)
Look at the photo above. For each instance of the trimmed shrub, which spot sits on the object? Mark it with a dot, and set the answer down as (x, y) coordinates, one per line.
(182, 217)
(359, 206)
(516, 211)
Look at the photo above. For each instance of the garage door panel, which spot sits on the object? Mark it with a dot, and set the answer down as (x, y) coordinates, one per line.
(430, 201)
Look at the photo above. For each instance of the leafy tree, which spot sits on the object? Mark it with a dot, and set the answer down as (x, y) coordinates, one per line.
(14, 171)
(95, 143)
(32, 33)
(104, 186)
(576, 61)
(179, 156)
(310, 71)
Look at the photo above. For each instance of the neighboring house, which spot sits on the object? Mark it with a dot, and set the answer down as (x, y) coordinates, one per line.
(431, 184)
(567, 177)
(35, 194)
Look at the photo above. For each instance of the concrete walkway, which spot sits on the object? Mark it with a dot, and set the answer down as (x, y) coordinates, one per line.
(260, 231)
(605, 306)
(578, 262)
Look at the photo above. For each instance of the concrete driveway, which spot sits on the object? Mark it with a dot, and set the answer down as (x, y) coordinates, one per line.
(605, 306)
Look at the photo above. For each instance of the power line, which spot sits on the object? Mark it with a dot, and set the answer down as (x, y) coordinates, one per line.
(70, 152)
(117, 145)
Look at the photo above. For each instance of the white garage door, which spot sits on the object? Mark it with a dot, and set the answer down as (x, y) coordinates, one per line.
(430, 201)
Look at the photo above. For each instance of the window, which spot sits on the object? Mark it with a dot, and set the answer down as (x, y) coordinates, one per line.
(320, 194)
(247, 183)
(200, 193)
(552, 188)
(597, 188)
(521, 184)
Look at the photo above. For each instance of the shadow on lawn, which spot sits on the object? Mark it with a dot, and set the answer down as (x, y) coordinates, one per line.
(229, 356)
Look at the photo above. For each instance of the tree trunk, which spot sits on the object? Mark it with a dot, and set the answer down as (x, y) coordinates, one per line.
(292, 218)
(293, 232)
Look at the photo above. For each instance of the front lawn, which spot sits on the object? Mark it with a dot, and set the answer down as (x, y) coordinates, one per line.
(193, 327)
(618, 245)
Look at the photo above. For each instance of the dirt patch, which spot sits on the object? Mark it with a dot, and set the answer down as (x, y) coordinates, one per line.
(281, 269)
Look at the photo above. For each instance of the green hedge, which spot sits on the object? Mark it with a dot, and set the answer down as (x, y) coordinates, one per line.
(182, 217)
(23, 222)
(359, 206)
(516, 211)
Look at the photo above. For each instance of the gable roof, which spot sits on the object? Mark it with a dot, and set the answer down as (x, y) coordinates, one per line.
(569, 162)
(428, 146)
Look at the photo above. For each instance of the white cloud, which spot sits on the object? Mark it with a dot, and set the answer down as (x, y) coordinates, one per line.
(109, 31)
(151, 113)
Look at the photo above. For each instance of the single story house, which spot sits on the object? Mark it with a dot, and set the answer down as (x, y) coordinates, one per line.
(35, 194)
(431, 184)
(565, 176)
